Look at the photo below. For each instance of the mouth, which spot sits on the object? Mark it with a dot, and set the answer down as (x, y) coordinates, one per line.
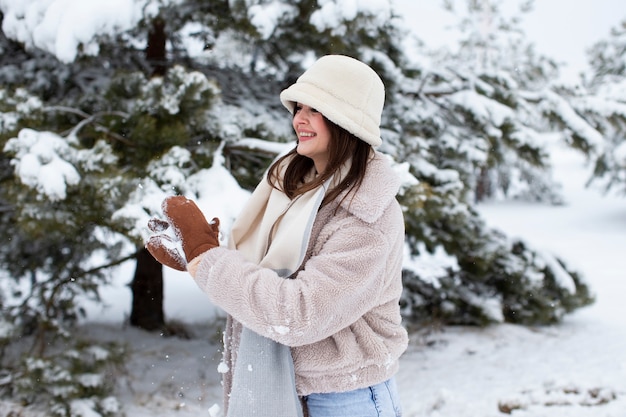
(306, 135)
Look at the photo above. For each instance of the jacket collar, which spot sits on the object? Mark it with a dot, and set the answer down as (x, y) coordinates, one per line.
(379, 187)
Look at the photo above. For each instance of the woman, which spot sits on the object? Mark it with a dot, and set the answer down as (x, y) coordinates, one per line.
(311, 279)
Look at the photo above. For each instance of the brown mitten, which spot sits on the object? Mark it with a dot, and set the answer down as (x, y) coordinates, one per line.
(197, 236)
(163, 247)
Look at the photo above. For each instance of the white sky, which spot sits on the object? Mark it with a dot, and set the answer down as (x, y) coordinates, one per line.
(560, 29)
(567, 37)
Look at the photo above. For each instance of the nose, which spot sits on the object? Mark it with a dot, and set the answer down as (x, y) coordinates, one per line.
(300, 119)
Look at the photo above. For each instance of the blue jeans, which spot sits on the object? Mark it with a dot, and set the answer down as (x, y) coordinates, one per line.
(380, 400)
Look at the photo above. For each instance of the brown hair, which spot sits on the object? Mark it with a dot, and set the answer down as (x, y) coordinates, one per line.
(343, 146)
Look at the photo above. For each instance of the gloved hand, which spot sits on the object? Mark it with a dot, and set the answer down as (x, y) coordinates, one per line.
(190, 228)
(164, 246)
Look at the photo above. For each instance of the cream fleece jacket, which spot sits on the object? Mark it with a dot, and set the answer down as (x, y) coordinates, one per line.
(340, 313)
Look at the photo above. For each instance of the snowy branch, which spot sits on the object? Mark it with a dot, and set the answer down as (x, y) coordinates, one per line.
(87, 119)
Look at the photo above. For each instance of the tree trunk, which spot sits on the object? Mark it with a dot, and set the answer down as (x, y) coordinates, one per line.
(147, 284)
(483, 186)
(155, 51)
(147, 288)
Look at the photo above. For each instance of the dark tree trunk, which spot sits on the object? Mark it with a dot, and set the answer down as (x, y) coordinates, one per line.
(147, 284)
(483, 186)
(155, 51)
(147, 288)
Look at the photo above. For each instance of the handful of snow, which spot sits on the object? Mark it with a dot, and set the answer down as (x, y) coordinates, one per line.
(167, 236)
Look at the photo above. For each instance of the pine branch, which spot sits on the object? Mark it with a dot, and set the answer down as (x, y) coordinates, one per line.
(109, 265)
(87, 119)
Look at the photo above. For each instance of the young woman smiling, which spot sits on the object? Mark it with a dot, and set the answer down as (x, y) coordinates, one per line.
(311, 277)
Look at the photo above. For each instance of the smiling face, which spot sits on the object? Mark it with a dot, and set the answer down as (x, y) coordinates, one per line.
(313, 135)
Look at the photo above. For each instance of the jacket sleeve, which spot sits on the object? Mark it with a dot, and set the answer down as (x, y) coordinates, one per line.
(334, 289)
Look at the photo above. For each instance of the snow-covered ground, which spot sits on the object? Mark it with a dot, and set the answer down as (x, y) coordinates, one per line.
(575, 369)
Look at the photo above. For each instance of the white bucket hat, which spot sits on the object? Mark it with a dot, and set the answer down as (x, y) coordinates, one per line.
(346, 91)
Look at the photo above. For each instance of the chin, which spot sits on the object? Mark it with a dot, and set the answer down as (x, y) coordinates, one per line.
(301, 150)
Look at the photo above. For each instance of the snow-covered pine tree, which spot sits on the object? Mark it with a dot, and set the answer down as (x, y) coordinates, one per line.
(471, 125)
(78, 143)
(603, 108)
(493, 79)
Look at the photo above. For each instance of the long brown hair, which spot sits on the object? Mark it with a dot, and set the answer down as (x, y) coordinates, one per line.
(342, 147)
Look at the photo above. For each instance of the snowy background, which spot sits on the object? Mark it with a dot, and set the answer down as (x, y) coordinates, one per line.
(575, 369)
(561, 29)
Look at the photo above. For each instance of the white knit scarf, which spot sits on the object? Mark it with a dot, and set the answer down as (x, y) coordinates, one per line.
(272, 231)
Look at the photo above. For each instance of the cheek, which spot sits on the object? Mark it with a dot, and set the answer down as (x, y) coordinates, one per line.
(326, 136)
